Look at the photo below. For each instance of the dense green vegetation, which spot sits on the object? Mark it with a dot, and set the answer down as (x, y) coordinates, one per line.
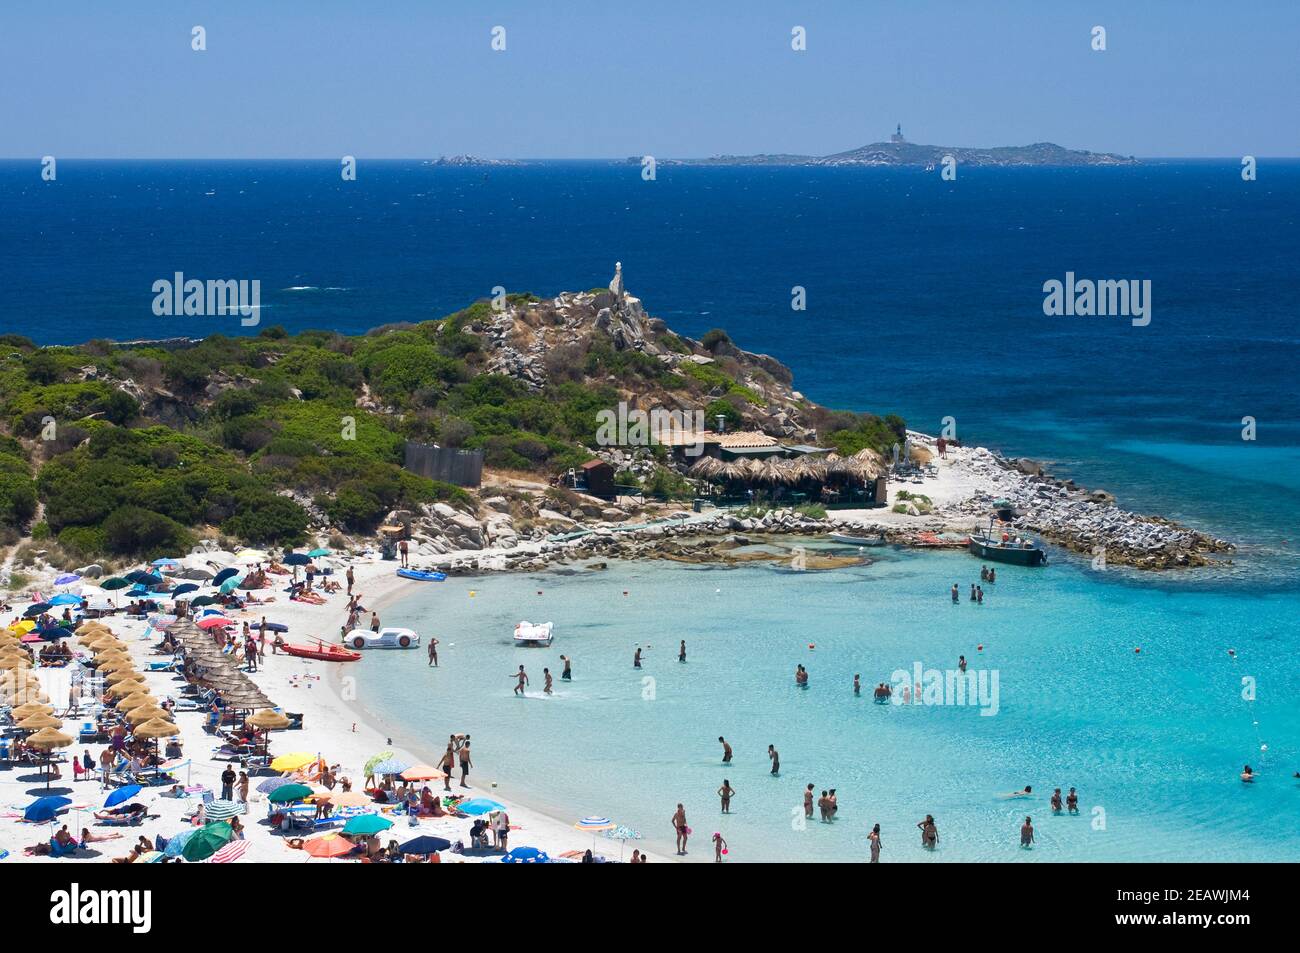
(137, 452)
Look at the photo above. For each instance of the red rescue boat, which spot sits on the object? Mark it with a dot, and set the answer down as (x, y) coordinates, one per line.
(322, 652)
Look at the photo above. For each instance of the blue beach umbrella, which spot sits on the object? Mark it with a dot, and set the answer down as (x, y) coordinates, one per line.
(526, 855)
(45, 808)
(177, 843)
(321, 551)
(65, 599)
(367, 824)
(166, 561)
(296, 559)
(270, 784)
(37, 609)
(184, 588)
(122, 795)
(389, 766)
(67, 579)
(424, 845)
(225, 574)
(229, 586)
(479, 805)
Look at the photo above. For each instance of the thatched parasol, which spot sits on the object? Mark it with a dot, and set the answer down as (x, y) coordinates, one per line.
(127, 686)
(31, 708)
(38, 721)
(705, 468)
(135, 701)
(122, 675)
(47, 739)
(146, 712)
(269, 720)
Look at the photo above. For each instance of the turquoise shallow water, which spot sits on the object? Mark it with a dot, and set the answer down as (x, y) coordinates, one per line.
(1153, 741)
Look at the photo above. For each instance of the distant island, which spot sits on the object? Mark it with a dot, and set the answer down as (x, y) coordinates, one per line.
(898, 152)
(464, 162)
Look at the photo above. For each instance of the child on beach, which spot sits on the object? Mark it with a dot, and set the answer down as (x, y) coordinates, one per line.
(719, 847)
(546, 688)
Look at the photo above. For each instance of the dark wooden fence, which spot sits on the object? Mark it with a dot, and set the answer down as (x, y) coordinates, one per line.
(461, 467)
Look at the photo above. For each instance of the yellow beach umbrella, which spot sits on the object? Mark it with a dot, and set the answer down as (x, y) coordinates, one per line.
(292, 762)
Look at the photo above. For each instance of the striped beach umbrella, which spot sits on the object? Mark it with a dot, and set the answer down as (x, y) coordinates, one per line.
(230, 853)
(594, 823)
(390, 766)
(220, 810)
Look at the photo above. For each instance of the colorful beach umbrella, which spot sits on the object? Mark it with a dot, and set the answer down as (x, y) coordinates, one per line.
(479, 805)
(376, 759)
(289, 792)
(206, 841)
(422, 772)
(292, 761)
(122, 795)
(526, 855)
(425, 845)
(390, 766)
(67, 579)
(367, 824)
(271, 784)
(220, 810)
(331, 845)
(595, 824)
(45, 808)
(230, 853)
(214, 622)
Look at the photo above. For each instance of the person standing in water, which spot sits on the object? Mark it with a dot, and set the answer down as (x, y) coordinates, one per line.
(725, 793)
(961, 663)
(523, 680)
(857, 684)
(433, 651)
(775, 757)
(808, 801)
(1056, 801)
(726, 750)
(567, 674)
(874, 839)
(1027, 833)
(546, 686)
(719, 847)
(1072, 802)
(681, 652)
(929, 833)
(956, 594)
(681, 829)
(636, 659)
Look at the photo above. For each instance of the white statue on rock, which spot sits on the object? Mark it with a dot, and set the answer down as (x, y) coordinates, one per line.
(616, 286)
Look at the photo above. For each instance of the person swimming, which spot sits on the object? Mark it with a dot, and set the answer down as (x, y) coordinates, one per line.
(1247, 774)
(1027, 792)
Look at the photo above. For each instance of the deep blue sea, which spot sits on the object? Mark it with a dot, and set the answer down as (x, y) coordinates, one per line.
(924, 298)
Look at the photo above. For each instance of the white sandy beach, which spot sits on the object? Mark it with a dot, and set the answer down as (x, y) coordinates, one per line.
(339, 731)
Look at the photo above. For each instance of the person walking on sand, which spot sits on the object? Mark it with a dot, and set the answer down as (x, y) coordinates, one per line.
(775, 757)
(242, 787)
(448, 767)
(567, 674)
(465, 763)
(404, 550)
(1027, 833)
(725, 793)
(547, 682)
(874, 839)
(261, 640)
(682, 831)
(522, 681)
(228, 784)
(350, 578)
(719, 847)
(726, 750)
(433, 651)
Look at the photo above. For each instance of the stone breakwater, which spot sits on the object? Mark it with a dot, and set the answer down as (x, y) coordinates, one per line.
(1076, 518)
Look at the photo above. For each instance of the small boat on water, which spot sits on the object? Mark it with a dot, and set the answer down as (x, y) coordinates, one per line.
(848, 540)
(322, 652)
(422, 575)
(534, 633)
(1005, 548)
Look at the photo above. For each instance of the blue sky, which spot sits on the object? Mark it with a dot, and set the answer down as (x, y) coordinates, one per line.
(408, 79)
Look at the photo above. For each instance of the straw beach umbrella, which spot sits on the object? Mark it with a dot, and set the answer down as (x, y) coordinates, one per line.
(269, 719)
(146, 712)
(125, 687)
(156, 728)
(31, 708)
(38, 721)
(47, 739)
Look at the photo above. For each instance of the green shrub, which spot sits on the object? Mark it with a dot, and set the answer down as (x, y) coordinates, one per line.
(134, 531)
